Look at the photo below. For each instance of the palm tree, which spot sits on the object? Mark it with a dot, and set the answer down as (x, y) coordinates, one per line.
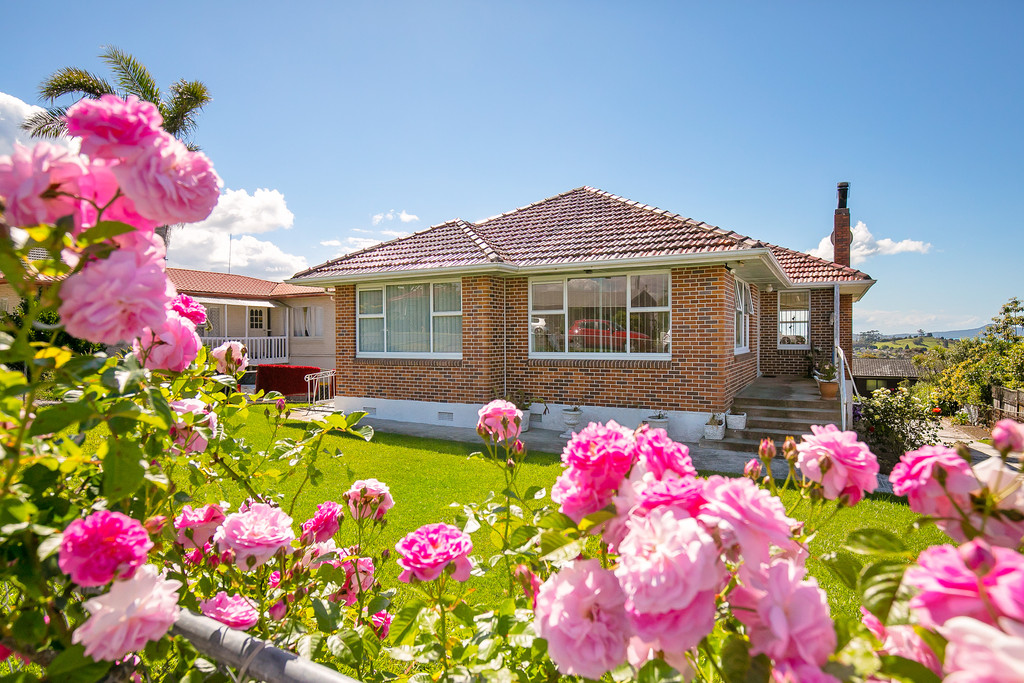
(179, 109)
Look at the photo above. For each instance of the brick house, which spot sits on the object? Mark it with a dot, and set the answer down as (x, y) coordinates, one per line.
(585, 298)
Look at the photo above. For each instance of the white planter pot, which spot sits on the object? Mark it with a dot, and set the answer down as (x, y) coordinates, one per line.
(658, 423)
(736, 420)
(714, 432)
(524, 424)
(572, 419)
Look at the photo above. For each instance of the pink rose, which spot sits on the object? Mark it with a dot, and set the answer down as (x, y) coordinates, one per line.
(746, 516)
(100, 187)
(787, 618)
(30, 179)
(918, 474)
(1008, 435)
(685, 495)
(255, 534)
(597, 459)
(1005, 484)
(661, 456)
(131, 614)
(170, 346)
(196, 526)
(278, 610)
(115, 299)
(581, 613)
(359, 576)
(103, 546)
(902, 641)
(578, 495)
(232, 357)
(978, 652)
(369, 499)
(112, 128)
(974, 580)
(677, 630)
(168, 183)
(499, 421)
(837, 461)
(665, 560)
(381, 623)
(323, 524)
(801, 672)
(187, 307)
(752, 470)
(235, 611)
(425, 553)
(183, 433)
(529, 581)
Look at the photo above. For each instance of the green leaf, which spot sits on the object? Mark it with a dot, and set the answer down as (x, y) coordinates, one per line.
(123, 469)
(57, 418)
(328, 615)
(103, 231)
(556, 520)
(72, 666)
(735, 658)
(49, 546)
(657, 671)
(555, 547)
(309, 645)
(16, 511)
(844, 567)
(347, 646)
(403, 625)
(878, 585)
(29, 627)
(906, 670)
(760, 670)
(521, 536)
(874, 542)
(595, 518)
(377, 604)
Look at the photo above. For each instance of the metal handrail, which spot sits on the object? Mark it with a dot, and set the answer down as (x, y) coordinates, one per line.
(253, 657)
(316, 382)
(842, 383)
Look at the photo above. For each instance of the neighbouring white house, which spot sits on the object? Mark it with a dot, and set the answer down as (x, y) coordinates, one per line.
(278, 322)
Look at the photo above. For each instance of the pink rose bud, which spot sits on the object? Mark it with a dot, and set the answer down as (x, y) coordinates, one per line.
(789, 449)
(752, 469)
(519, 446)
(281, 403)
(278, 610)
(1008, 435)
(767, 449)
(977, 556)
(155, 524)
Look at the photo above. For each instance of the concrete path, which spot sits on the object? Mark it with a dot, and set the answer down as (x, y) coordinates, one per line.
(549, 441)
(949, 433)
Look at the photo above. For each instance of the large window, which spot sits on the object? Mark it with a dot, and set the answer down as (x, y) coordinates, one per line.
(744, 308)
(621, 314)
(308, 321)
(255, 318)
(795, 320)
(410, 319)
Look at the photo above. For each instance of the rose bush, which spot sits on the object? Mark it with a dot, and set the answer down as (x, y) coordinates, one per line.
(633, 567)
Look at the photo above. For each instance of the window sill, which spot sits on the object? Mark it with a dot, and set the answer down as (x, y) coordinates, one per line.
(661, 362)
(740, 350)
(784, 347)
(408, 362)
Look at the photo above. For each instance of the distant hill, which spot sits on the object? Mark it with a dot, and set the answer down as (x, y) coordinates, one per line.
(962, 334)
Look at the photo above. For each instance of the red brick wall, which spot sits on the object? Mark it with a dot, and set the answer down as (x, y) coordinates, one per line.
(703, 374)
(776, 361)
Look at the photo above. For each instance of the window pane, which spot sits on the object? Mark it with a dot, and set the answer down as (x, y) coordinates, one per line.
(547, 332)
(597, 313)
(408, 316)
(371, 335)
(447, 297)
(447, 333)
(794, 301)
(649, 332)
(794, 318)
(740, 328)
(371, 302)
(299, 322)
(649, 291)
(547, 296)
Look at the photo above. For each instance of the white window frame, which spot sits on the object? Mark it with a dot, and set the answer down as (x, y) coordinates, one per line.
(597, 355)
(262, 319)
(299, 313)
(743, 304)
(382, 288)
(778, 322)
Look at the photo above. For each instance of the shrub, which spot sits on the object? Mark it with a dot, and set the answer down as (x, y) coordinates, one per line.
(897, 421)
(286, 379)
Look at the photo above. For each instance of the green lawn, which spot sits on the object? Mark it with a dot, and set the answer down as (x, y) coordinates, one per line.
(426, 476)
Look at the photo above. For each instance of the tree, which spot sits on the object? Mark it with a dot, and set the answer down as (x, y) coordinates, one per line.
(180, 108)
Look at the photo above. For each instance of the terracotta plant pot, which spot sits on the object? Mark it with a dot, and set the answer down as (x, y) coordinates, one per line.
(829, 390)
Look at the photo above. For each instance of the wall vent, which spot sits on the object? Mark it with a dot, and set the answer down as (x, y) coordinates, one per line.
(536, 418)
(445, 417)
(369, 410)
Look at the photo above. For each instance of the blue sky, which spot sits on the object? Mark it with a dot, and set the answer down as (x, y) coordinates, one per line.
(744, 115)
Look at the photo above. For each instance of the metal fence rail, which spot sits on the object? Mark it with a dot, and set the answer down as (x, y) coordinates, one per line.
(251, 656)
(320, 388)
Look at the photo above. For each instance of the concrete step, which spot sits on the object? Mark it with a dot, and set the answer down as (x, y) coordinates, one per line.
(740, 403)
(740, 444)
(786, 413)
(793, 425)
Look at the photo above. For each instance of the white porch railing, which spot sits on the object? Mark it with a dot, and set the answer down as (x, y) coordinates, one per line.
(261, 349)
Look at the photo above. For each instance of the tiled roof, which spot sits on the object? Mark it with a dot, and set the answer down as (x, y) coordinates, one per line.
(239, 286)
(579, 226)
(885, 367)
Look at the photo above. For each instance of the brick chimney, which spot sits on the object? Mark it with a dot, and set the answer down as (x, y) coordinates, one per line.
(841, 233)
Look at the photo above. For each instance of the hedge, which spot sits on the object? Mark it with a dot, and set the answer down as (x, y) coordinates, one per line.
(288, 379)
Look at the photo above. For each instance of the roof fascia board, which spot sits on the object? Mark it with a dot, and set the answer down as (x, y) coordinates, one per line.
(419, 273)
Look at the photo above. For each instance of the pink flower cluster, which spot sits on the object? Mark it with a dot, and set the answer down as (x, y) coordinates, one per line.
(682, 542)
(368, 499)
(235, 611)
(183, 432)
(232, 357)
(102, 547)
(196, 526)
(323, 524)
(426, 553)
(255, 534)
(499, 421)
(843, 466)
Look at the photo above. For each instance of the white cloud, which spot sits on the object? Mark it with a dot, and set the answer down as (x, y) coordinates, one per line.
(864, 246)
(225, 239)
(391, 215)
(12, 112)
(369, 232)
(330, 243)
(393, 233)
(894, 322)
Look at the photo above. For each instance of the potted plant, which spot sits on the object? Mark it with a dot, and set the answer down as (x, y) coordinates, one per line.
(572, 416)
(714, 428)
(735, 420)
(828, 385)
(526, 402)
(658, 420)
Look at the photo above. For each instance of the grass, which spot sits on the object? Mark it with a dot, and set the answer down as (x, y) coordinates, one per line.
(427, 475)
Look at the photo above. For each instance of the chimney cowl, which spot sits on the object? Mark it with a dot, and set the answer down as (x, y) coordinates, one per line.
(843, 190)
